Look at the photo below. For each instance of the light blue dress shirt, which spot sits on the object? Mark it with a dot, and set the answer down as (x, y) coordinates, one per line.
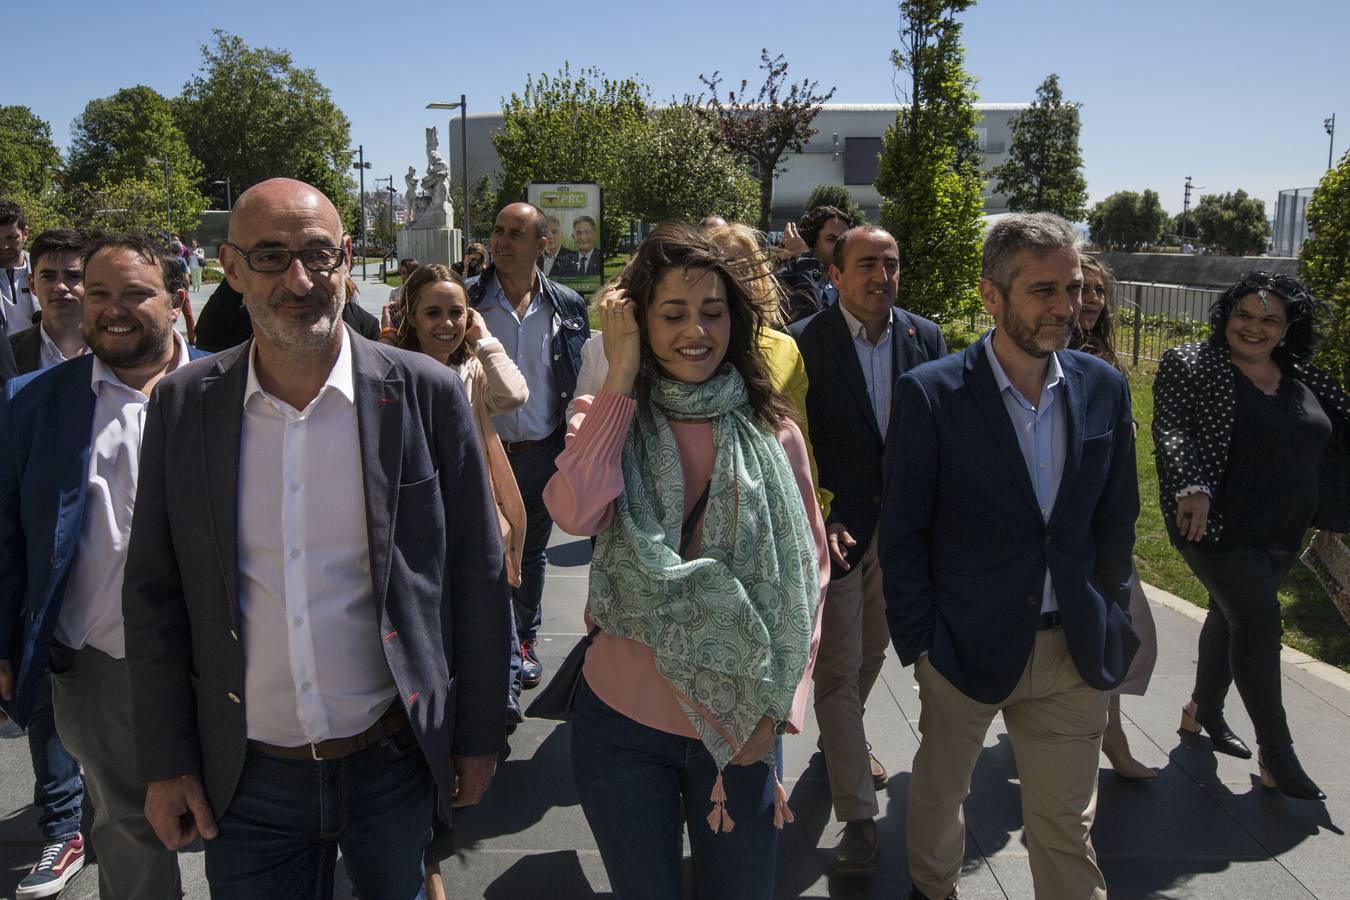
(1042, 435)
(878, 364)
(529, 341)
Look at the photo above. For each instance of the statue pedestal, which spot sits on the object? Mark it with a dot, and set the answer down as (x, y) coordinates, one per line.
(431, 245)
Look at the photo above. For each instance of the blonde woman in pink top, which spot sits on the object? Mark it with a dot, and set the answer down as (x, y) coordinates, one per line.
(706, 584)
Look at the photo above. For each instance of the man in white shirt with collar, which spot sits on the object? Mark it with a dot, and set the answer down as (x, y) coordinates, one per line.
(68, 479)
(57, 280)
(16, 298)
(586, 259)
(854, 351)
(315, 626)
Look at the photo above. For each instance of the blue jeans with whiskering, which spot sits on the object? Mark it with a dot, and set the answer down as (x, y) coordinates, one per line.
(633, 782)
(288, 818)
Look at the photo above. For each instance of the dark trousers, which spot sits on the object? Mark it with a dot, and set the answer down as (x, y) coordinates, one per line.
(58, 789)
(533, 468)
(634, 781)
(288, 818)
(1240, 640)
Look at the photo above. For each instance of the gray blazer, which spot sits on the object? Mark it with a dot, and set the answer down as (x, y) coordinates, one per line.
(435, 554)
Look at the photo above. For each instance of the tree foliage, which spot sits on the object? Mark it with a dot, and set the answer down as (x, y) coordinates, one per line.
(251, 114)
(573, 128)
(118, 151)
(929, 176)
(28, 158)
(1324, 265)
(679, 170)
(761, 127)
(838, 196)
(483, 207)
(1044, 171)
(1127, 221)
(1232, 224)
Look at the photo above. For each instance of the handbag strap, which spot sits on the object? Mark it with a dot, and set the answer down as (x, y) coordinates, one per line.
(695, 512)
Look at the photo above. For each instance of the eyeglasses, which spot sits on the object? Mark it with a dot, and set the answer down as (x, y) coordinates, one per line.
(271, 260)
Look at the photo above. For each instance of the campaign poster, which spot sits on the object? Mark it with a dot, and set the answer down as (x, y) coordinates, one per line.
(573, 256)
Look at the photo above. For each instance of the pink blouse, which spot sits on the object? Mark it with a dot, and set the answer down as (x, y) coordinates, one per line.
(580, 496)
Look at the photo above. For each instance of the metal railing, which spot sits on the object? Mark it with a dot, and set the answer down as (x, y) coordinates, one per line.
(1150, 318)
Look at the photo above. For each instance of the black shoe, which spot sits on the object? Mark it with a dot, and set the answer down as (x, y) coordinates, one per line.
(856, 854)
(531, 669)
(513, 714)
(1220, 735)
(1280, 769)
(916, 894)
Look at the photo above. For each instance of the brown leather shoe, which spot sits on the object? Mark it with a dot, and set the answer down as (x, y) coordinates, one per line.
(856, 854)
(916, 894)
(879, 776)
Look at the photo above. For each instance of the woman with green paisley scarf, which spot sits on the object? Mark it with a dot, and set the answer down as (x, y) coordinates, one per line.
(706, 584)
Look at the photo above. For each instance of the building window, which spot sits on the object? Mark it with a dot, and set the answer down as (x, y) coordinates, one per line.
(860, 159)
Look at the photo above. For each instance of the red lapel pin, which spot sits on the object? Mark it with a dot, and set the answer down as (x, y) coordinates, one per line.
(911, 331)
(388, 399)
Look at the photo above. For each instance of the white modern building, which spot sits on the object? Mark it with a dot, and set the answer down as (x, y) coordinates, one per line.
(843, 151)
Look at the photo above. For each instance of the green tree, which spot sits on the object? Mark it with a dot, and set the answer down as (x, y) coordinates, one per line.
(929, 177)
(838, 196)
(763, 126)
(1232, 224)
(573, 128)
(119, 148)
(30, 168)
(679, 170)
(1127, 221)
(251, 114)
(1044, 171)
(1324, 265)
(482, 210)
(28, 158)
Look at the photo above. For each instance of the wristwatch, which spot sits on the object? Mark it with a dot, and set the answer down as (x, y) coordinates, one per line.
(780, 727)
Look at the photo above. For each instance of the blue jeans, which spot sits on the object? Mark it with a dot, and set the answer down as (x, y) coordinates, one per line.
(532, 468)
(58, 789)
(633, 781)
(282, 830)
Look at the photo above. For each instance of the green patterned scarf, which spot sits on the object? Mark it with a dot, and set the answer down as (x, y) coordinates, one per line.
(731, 628)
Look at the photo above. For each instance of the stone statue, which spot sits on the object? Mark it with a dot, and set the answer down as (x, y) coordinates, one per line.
(410, 196)
(436, 183)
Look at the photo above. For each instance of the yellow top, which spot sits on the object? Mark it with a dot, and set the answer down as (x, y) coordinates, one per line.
(788, 374)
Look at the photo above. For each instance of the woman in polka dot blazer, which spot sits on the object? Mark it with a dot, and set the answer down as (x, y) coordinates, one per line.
(1251, 447)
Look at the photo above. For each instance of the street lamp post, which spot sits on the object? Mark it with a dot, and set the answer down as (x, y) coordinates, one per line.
(168, 203)
(1330, 125)
(229, 196)
(463, 107)
(362, 165)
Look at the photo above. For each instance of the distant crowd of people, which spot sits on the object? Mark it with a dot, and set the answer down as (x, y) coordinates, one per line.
(316, 631)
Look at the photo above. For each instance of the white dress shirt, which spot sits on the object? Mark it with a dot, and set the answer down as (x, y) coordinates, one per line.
(314, 666)
(91, 609)
(17, 303)
(49, 354)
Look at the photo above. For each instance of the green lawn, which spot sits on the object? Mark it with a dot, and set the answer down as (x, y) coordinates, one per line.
(1311, 622)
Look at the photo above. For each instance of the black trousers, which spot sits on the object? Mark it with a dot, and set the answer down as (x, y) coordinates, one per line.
(1240, 641)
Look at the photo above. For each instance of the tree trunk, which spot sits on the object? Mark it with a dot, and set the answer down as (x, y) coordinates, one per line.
(765, 196)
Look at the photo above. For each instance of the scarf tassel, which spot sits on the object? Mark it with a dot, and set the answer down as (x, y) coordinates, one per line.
(782, 813)
(719, 820)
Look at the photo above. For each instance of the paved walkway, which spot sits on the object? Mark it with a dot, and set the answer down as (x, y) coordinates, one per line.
(1204, 829)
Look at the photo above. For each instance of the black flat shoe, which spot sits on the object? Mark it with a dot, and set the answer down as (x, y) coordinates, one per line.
(1280, 769)
(1220, 735)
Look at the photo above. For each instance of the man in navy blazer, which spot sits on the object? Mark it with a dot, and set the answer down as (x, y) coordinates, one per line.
(70, 436)
(1006, 539)
(315, 607)
(854, 350)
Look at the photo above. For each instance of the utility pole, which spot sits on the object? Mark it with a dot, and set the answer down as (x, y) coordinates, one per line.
(168, 204)
(361, 165)
(1185, 209)
(1330, 125)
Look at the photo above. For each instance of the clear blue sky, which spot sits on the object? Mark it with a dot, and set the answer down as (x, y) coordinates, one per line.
(1232, 92)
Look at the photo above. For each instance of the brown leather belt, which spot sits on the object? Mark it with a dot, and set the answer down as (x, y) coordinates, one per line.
(392, 722)
(520, 446)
